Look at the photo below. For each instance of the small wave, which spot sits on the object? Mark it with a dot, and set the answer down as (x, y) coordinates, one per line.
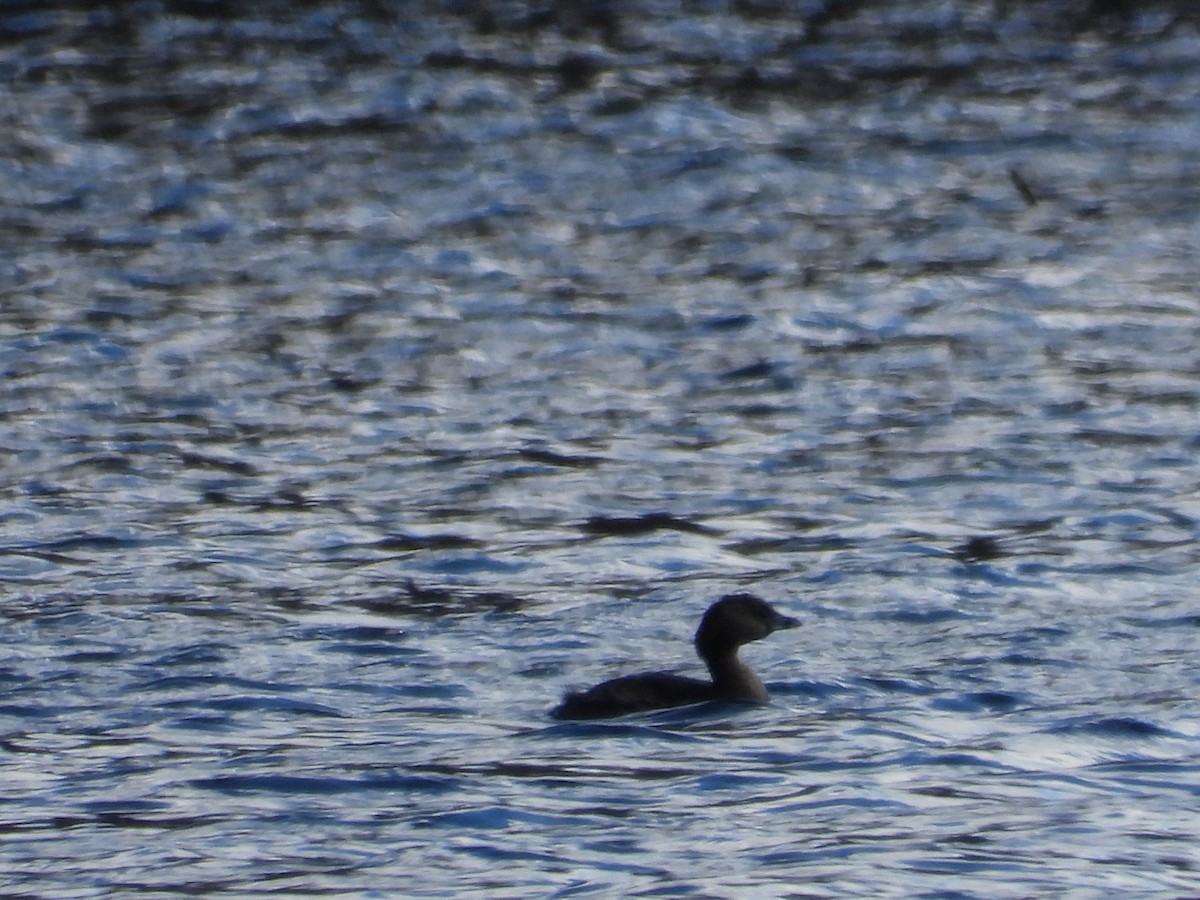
(1113, 726)
(270, 783)
(915, 758)
(270, 704)
(978, 701)
(894, 685)
(911, 616)
(1185, 621)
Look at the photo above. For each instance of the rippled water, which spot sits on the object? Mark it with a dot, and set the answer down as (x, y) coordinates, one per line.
(374, 374)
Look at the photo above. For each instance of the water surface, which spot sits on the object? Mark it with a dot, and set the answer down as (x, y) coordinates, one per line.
(372, 375)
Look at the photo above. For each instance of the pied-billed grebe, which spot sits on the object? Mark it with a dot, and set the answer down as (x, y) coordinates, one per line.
(733, 620)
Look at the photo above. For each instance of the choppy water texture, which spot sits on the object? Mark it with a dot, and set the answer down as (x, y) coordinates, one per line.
(372, 374)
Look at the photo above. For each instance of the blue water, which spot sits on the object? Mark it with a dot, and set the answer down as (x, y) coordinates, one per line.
(372, 375)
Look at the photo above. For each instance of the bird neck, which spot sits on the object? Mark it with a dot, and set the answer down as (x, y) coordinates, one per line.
(733, 678)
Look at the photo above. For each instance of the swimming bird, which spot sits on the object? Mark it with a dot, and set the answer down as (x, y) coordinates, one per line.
(733, 620)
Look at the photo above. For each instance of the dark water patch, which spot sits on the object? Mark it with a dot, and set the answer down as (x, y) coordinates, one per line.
(1040, 634)
(307, 786)
(1167, 622)
(726, 323)
(348, 383)
(38, 488)
(130, 806)
(647, 523)
(978, 549)
(372, 650)
(476, 564)
(88, 657)
(124, 820)
(287, 499)
(924, 757)
(10, 678)
(1117, 570)
(1114, 727)
(201, 655)
(565, 460)
(1111, 438)
(428, 601)
(798, 544)
(207, 462)
(1170, 775)
(23, 711)
(403, 543)
(729, 781)
(101, 543)
(751, 372)
(563, 772)
(374, 635)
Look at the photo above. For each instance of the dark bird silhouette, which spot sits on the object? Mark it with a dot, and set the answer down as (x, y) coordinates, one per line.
(733, 620)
